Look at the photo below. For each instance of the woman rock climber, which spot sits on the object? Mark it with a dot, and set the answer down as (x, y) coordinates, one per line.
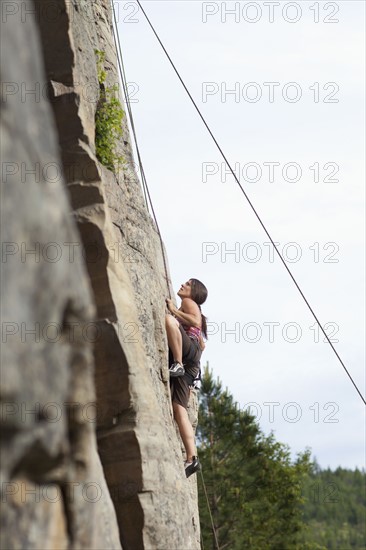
(185, 328)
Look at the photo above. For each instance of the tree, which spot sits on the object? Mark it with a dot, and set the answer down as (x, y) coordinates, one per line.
(253, 487)
(335, 508)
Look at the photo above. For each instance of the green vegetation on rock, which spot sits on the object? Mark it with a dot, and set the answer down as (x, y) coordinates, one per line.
(108, 120)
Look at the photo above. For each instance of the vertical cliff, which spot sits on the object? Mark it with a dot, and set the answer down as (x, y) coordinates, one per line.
(112, 456)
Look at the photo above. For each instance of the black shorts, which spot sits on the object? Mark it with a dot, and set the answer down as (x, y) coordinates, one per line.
(192, 352)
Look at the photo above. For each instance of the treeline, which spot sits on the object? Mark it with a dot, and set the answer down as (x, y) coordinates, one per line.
(335, 508)
(261, 499)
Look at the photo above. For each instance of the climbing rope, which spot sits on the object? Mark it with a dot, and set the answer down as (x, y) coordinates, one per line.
(147, 195)
(127, 101)
(148, 198)
(249, 201)
(209, 511)
(145, 186)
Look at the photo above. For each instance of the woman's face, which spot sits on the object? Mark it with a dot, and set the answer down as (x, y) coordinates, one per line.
(185, 290)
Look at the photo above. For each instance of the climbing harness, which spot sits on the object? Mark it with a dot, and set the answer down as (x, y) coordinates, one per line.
(193, 381)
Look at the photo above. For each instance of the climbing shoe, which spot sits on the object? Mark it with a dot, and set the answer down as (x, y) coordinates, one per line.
(176, 369)
(192, 467)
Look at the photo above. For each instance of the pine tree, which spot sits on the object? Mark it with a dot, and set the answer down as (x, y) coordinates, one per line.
(253, 487)
(335, 508)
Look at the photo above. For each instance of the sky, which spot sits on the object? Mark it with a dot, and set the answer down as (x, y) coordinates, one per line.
(281, 84)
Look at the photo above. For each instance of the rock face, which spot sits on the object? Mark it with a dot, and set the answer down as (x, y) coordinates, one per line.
(97, 462)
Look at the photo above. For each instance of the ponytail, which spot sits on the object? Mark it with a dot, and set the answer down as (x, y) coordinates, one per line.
(199, 295)
(204, 324)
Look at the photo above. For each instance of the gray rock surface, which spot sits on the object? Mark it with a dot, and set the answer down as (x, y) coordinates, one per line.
(54, 493)
(106, 293)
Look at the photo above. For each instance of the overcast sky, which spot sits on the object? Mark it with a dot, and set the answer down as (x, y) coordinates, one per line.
(293, 128)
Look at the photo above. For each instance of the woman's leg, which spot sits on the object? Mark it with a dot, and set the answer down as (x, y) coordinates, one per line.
(185, 430)
(174, 337)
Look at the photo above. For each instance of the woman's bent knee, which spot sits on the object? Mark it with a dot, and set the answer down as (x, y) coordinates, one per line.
(171, 321)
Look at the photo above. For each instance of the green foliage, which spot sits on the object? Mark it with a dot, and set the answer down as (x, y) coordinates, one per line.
(260, 499)
(102, 75)
(254, 488)
(108, 120)
(335, 508)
